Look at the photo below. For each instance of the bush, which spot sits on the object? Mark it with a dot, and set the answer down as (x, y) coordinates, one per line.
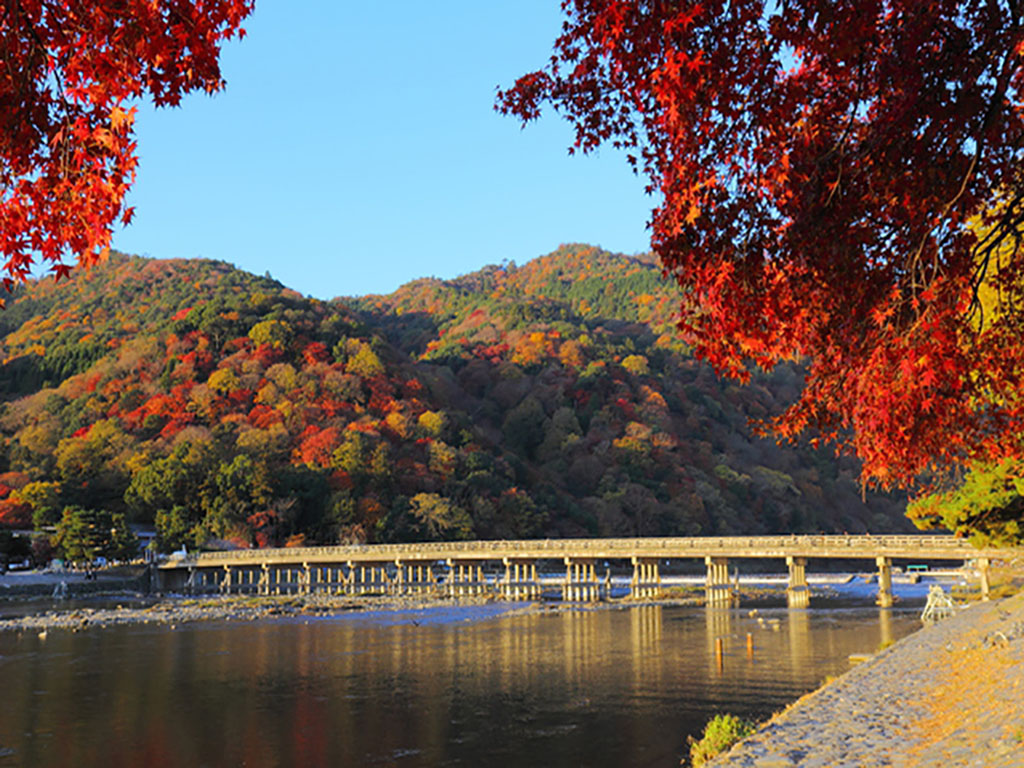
(721, 732)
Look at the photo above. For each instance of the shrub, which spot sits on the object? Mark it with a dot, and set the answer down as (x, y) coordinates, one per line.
(721, 732)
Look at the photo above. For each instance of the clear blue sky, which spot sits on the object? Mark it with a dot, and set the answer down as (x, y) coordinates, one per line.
(356, 148)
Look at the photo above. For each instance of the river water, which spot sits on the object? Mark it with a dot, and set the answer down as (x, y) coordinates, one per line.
(452, 686)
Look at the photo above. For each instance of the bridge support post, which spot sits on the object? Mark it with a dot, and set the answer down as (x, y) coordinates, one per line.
(450, 581)
(506, 580)
(798, 594)
(225, 584)
(306, 580)
(399, 577)
(884, 582)
(717, 590)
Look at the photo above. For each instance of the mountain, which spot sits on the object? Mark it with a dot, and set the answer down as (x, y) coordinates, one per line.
(551, 399)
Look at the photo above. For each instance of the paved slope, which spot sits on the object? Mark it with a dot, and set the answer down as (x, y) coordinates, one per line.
(949, 695)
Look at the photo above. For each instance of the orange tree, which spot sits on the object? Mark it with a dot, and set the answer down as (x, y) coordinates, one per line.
(818, 163)
(69, 74)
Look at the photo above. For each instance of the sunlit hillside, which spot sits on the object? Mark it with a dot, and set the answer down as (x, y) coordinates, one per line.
(549, 399)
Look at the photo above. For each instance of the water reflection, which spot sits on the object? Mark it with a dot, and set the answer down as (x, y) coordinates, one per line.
(588, 687)
(885, 630)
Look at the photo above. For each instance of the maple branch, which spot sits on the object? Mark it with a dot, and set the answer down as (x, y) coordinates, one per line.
(998, 95)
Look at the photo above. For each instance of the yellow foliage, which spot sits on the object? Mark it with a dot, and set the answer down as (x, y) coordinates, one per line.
(223, 381)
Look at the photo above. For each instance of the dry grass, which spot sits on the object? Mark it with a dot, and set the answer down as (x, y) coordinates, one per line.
(976, 696)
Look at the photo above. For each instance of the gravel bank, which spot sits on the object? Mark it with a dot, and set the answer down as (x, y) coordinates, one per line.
(175, 611)
(949, 695)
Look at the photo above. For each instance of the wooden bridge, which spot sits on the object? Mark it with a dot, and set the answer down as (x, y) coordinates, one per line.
(466, 568)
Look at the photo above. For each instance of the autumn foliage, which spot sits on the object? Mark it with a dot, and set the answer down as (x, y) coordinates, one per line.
(837, 182)
(553, 399)
(71, 73)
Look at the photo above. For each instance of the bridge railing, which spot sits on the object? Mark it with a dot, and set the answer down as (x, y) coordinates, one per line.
(865, 546)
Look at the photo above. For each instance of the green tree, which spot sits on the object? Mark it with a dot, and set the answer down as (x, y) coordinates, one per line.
(240, 488)
(83, 534)
(171, 491)
(175, 528)
(988, 506)
(124, 544)
(523, 427)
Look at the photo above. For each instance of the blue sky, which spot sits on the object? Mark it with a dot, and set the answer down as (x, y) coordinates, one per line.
(356, 148)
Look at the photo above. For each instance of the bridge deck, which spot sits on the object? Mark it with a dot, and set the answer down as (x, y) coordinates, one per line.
(846, 547)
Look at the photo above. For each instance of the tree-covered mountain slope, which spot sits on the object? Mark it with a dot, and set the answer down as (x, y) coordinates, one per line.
(551, 399)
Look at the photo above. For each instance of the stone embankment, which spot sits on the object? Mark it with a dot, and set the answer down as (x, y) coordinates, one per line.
(949, 695)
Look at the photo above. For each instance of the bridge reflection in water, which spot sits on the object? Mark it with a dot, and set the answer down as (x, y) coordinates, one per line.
(615, 688)
(521, 570)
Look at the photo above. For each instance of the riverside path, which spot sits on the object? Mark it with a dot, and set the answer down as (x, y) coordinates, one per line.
(510, 568)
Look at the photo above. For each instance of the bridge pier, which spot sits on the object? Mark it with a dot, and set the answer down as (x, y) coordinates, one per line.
(798, 594)
(646, 581)
(465, 578)
(413, 579)
(520, 581)
(884, 582)
(580, 580)
(717, 589)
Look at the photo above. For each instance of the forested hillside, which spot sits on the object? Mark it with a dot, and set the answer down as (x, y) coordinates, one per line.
(553, 399)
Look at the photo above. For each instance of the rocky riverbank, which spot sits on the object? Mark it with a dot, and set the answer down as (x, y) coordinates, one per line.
(949, 695)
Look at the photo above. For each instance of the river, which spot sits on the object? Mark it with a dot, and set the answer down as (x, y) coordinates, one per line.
(450, 686)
